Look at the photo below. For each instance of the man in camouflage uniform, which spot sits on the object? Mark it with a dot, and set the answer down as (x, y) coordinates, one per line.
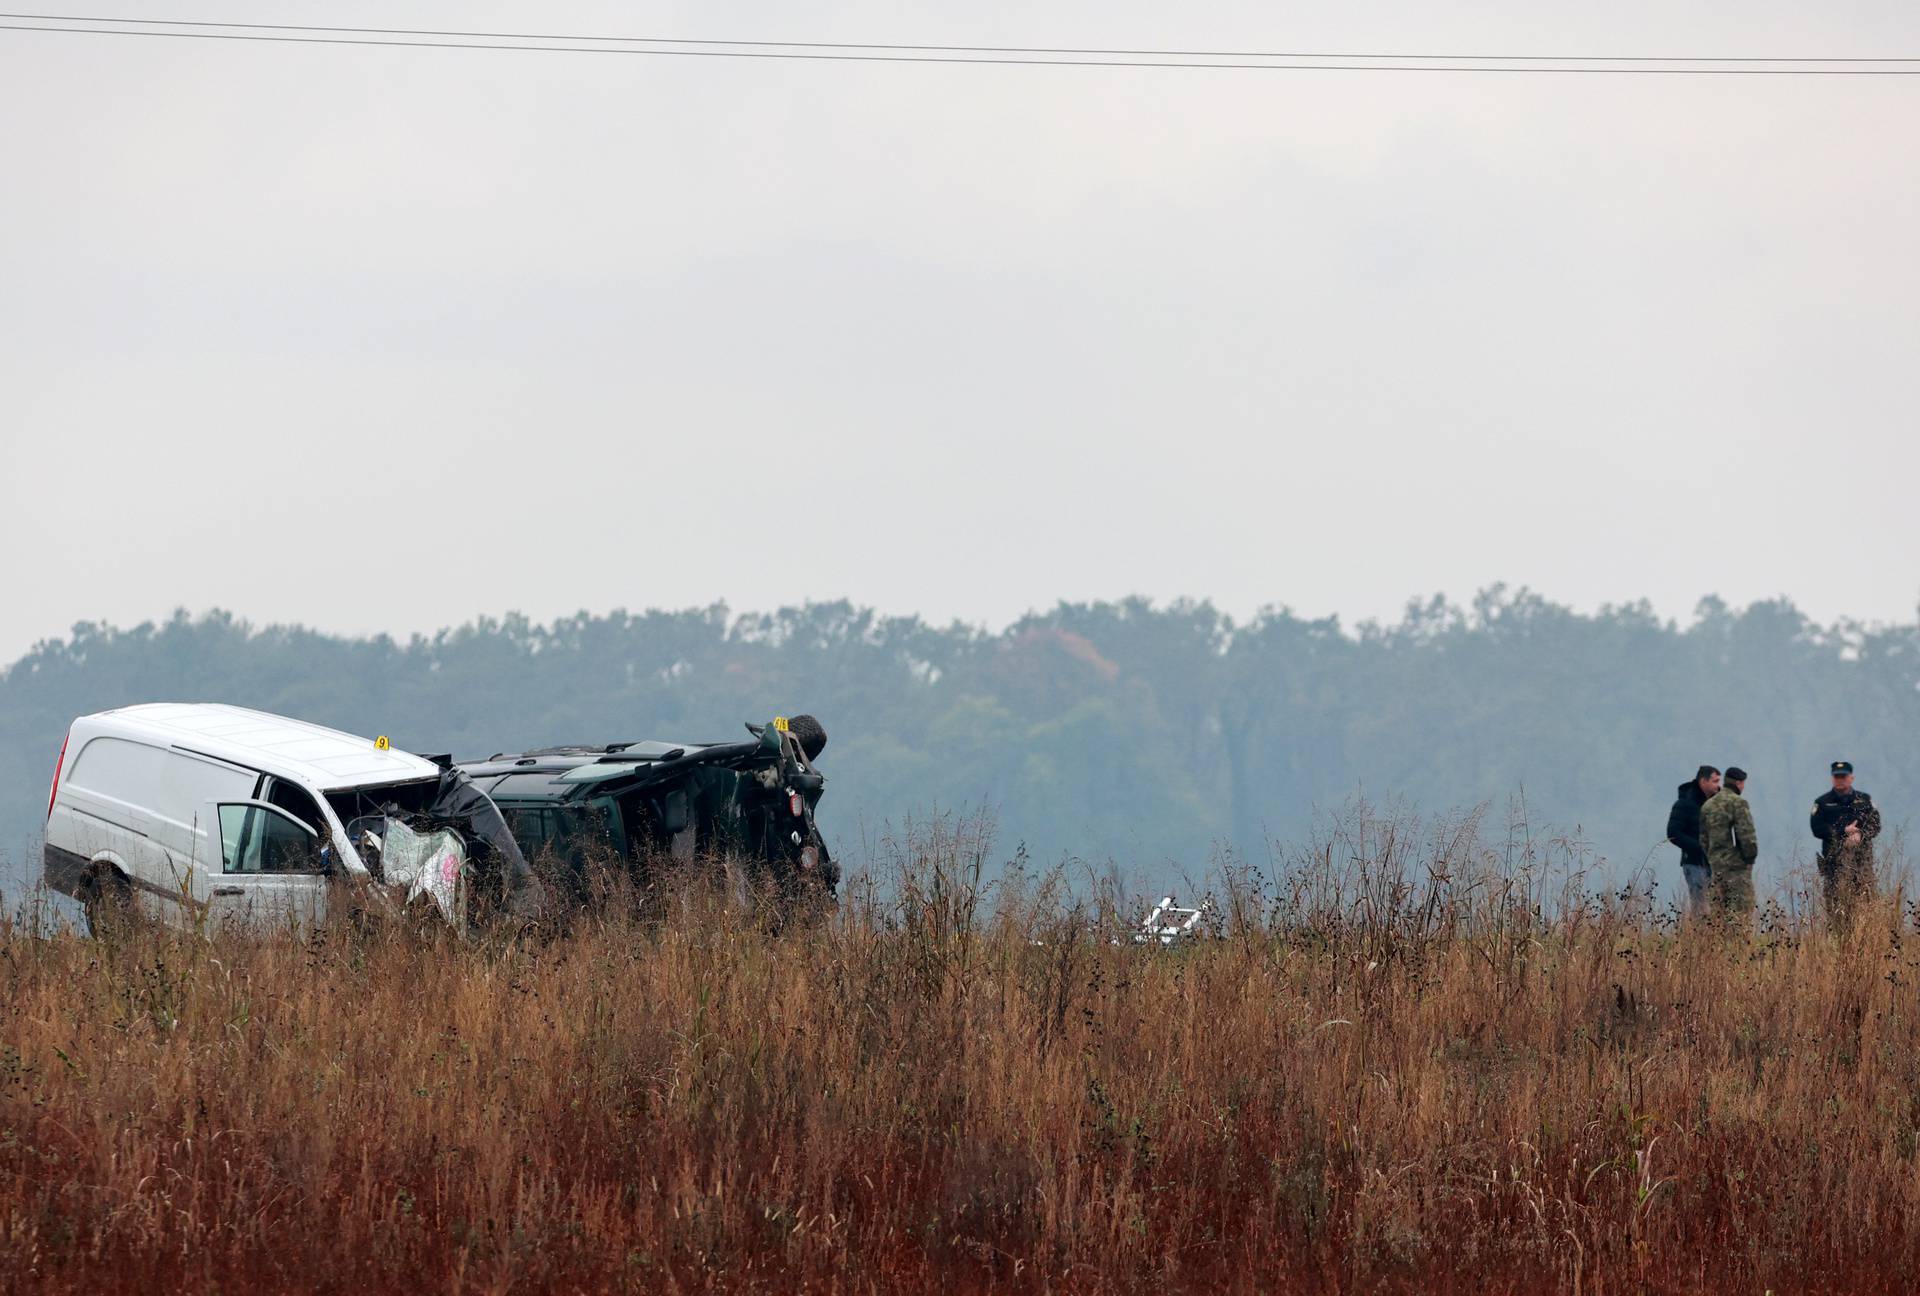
(1846, 821)
(1726, 833)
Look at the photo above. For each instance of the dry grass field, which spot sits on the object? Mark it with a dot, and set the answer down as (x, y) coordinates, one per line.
(1403, 1067)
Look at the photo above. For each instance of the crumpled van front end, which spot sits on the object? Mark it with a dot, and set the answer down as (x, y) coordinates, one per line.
(443, 840)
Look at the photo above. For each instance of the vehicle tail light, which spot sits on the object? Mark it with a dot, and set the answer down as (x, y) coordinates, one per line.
(796, 803)
(53, 793)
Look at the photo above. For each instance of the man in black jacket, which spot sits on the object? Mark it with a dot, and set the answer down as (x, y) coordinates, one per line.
(1683, 830)
(1845, 821)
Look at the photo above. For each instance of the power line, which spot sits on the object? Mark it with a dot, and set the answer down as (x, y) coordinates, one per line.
(1643, 67)
(1093, 52)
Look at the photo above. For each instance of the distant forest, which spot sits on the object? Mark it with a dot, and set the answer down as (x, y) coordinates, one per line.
(1129, 734)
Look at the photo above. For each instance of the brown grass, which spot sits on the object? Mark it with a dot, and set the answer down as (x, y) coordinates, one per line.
(1397, 1069)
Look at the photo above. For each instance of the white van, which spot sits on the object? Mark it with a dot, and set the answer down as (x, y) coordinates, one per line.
(202, 815)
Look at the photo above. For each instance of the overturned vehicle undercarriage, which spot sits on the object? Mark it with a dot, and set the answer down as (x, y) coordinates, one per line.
(643, 804)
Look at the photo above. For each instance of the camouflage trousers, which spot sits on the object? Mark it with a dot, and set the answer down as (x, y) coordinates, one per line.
(1730, 890)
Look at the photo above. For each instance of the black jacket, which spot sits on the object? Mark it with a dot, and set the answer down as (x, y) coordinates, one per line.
(1683, 823)
(1833, 811)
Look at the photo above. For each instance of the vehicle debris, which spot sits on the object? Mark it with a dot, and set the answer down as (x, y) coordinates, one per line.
(1167, 924)
(430, 864)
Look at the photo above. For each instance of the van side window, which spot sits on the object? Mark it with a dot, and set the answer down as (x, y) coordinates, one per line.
(296, 801)
(127, 770)
(192, 781)
(255, 839)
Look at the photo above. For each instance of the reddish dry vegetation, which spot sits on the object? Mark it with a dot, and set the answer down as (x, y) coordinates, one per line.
(1416, 1088)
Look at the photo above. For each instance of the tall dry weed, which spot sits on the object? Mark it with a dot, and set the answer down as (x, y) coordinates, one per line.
(1415, 1057)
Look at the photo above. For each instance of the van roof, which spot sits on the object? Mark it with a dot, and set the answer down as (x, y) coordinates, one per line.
(326, 759)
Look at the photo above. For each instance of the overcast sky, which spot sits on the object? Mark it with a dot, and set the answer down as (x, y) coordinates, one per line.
(379, 340)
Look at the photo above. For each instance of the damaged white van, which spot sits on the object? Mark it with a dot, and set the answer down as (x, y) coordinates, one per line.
(199, 816)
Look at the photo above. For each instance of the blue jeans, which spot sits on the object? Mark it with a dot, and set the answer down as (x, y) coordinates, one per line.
(1697, 877)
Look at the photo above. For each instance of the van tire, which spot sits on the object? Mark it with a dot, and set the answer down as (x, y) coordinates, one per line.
(106, 897)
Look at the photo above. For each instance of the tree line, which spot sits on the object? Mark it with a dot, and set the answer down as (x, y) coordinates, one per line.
(1137, 735)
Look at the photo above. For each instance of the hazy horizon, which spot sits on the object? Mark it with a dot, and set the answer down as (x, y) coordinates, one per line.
(1683, 619)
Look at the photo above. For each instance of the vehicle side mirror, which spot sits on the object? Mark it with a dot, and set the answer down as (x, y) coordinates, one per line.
(673, 812)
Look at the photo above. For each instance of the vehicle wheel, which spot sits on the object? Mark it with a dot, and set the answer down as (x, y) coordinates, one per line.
(107, 900)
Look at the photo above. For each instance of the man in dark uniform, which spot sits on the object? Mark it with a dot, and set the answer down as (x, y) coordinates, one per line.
(1846, 822)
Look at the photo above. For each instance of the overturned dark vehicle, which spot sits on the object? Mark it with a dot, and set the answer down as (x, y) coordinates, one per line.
(747, 805)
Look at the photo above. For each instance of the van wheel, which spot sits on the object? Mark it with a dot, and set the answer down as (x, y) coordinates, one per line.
(107, 900)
